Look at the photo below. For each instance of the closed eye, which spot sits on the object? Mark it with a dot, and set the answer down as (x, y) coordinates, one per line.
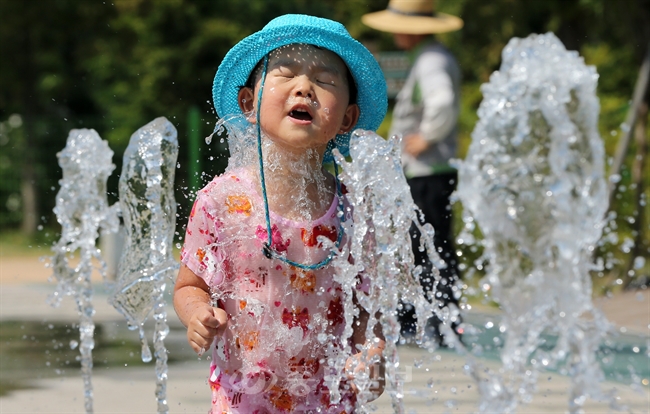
(326, 78)
(326, 82)
(283, 72)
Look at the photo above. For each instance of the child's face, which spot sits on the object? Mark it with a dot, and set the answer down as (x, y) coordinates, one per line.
(305, 102)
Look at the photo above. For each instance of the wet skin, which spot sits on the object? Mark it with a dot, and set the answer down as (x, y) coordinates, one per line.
(305, 102)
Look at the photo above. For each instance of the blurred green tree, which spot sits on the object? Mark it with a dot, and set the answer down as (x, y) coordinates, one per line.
(114, 66)
(42, 88)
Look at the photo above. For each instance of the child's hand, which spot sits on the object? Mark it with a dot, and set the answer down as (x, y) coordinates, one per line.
(204, 324)
(356, 363)
(193, 305)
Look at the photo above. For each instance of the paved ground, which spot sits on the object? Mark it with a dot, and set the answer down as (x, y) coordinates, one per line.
(436, 383)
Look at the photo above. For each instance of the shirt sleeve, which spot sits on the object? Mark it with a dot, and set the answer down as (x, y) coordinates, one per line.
(440, 113)
(201, 252)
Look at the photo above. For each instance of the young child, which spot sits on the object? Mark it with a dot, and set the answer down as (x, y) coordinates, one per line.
(256, 285)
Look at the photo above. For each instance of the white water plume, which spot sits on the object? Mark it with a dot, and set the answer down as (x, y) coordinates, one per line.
(382, 212)
(148, 208)
(533, 181)
(149, 212)
(82, 211)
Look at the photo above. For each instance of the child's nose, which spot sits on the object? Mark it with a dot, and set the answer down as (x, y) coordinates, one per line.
(303, 87)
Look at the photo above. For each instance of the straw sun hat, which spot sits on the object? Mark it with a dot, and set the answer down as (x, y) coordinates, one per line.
(412, 17)
(295, 28)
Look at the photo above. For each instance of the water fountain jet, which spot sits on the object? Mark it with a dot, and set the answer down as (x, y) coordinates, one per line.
(533, 180)
(82, 211)
(148, 208)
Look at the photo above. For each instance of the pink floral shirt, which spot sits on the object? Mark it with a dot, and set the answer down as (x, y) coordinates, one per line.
(283, 321)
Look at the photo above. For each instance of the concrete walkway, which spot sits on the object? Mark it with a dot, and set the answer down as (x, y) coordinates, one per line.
(436, 383)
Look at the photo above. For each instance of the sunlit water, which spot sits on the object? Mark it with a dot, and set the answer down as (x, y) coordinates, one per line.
(148, 209)
(82, 210)
(379, 213)
(533, 181)
(383, 211)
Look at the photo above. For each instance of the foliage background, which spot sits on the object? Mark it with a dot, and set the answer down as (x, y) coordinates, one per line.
(115, 65)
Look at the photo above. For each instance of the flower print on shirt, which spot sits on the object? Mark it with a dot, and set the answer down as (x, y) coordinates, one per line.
(310, 237)
(248, 340)
(281, 398)
(296, 317)
(302, 280)
(335, 311)
(211, 261)
(239, 203)
(255, 279)
(308, 367)
(229, 227)
(277, 243)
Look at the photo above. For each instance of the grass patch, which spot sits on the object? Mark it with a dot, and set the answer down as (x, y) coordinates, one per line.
(16, 243)
(8, 386)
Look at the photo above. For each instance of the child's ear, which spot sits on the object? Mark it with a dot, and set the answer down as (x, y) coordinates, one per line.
(245, 100)
(350, 118)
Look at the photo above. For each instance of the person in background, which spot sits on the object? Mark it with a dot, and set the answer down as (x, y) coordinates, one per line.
(425, 115)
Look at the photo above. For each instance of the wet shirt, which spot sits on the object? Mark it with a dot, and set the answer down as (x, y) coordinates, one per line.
(284, 322)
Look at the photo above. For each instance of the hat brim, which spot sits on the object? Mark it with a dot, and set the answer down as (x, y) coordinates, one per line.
(391, 22)
(242, 58)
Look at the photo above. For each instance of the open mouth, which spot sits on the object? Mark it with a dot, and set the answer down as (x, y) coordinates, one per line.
(300, 114)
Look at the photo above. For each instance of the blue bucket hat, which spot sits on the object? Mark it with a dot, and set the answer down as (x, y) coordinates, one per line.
(240, 61)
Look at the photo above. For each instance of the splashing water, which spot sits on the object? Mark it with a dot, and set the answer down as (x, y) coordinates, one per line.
(383, 212)
(149, 213)
(533, 180)
(82, 210)
(242, 143)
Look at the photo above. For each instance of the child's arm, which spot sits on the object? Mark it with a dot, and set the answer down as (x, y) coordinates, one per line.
(375, 349)
(193, 306)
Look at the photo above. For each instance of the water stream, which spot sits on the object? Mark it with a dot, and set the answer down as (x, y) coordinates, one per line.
(533, 181)
(147, 265)
(148, 209)
(82, 211)
(383, 211)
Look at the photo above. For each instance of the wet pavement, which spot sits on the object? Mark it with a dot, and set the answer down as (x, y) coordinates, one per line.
(39, 374)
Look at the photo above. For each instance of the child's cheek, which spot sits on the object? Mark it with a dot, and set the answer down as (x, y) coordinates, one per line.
(333, 125)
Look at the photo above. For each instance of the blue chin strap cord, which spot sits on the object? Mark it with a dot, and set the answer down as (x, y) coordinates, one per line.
(268, 250)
